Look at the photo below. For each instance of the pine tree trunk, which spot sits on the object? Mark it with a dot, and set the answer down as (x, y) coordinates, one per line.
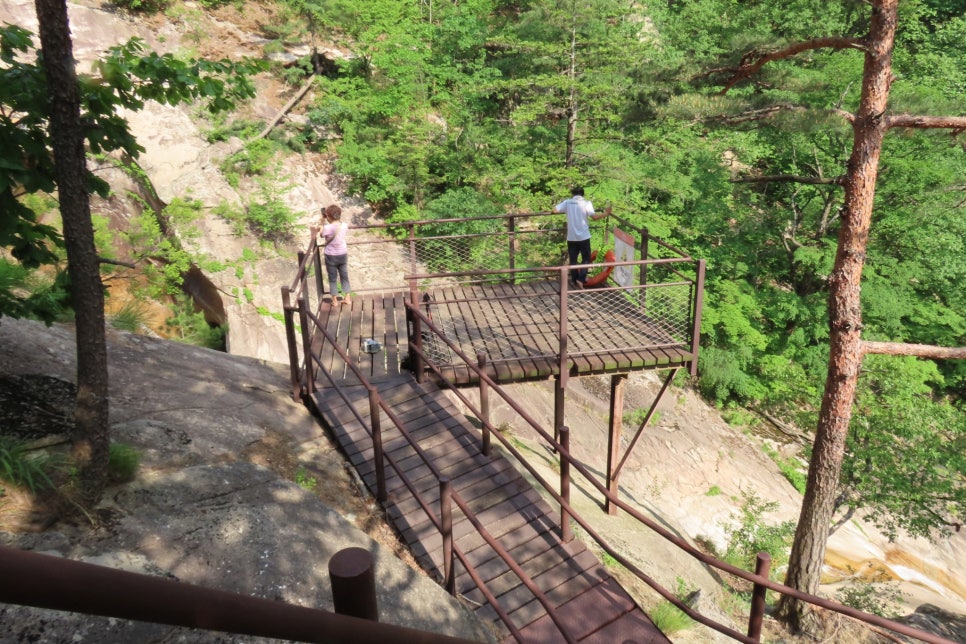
(91, 430)
(845, 318)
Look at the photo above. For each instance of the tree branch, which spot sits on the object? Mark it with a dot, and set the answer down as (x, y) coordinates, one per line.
(955, 123)
(753, 61)
(792, 178)
(918, 350)
(288, 106)
(116, 262)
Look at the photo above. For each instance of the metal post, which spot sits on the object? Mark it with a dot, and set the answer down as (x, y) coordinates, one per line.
(317, 263)
(484, 404)
(696, 325)
(446, 521)
(560, 384)
(378, 461)
(644, 250)
(617, 382)
(417, 341)
(353, 579)
(293, 350)
(412, 248)
(306, 345)
(566, 534)
(512, 235)
(762, 566)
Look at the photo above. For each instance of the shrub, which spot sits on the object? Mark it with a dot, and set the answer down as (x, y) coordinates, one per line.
(19, 467)
(122, 463)
(189, 326)
(748, 534)
(789, 468)
(304, 480)
(668, 617)
(131, 317)
(877, 598)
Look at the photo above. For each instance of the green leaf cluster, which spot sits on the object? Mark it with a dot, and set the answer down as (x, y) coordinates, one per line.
(124, 77)
(471, 108)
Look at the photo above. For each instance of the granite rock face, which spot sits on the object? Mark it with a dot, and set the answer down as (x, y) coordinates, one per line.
(203, 509)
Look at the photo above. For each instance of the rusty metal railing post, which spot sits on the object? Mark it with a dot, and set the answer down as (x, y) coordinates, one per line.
(446, 521)
(560, 385)
(378, 461)
(416, 340)
(566, 534)
(306, 345)
(696, 321)
(412, 248)
(512, 238)
(762, 566)
(290, 339)
(353, 578)
(484, 405)
(317, 264)
(642, 269)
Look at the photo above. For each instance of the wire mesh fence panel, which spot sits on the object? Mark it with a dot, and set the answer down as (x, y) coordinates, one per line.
(629, 319)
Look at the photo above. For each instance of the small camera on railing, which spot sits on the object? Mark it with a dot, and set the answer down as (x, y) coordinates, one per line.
(371, 346)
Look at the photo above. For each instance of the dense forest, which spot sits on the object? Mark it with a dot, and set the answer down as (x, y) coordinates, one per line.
(474, 108)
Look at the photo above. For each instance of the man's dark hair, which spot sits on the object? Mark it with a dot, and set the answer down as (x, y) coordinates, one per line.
(577, 190)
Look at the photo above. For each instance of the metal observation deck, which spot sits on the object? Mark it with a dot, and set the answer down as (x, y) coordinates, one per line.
(480, 303)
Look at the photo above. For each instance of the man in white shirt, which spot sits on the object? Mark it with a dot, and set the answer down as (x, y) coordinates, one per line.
(579, 211)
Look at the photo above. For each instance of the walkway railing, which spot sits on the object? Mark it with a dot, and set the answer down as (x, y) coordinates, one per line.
(759, 578)
(443, 519)
(45, 581)
(667, 267)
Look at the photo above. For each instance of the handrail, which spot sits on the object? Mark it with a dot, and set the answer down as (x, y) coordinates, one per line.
(46, 581)
(460, 502)
(758, 580)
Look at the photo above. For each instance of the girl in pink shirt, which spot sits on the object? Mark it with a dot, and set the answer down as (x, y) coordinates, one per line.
(336, 252)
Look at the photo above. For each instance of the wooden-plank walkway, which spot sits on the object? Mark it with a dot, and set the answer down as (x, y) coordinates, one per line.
(516, 327)
(592, 605)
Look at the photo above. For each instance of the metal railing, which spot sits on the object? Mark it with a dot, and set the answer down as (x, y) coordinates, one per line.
(45, 581)
(656, 263)
(443, 521)
(759, 579)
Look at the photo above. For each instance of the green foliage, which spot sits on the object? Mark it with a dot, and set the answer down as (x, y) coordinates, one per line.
(256, 158)
(271, 219)
(189, 326)
(464, 112)
(714, 490)
(124, 77)
(224, 128)
(748, 534)
(131, 317)
(170, 261)
(878, 598)
(122, 464)
(304, 480)
(142, 6)
(790, 468)
(31, 293)
(19, 467)
(636, 416)
(902, 459)
(668, 618)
